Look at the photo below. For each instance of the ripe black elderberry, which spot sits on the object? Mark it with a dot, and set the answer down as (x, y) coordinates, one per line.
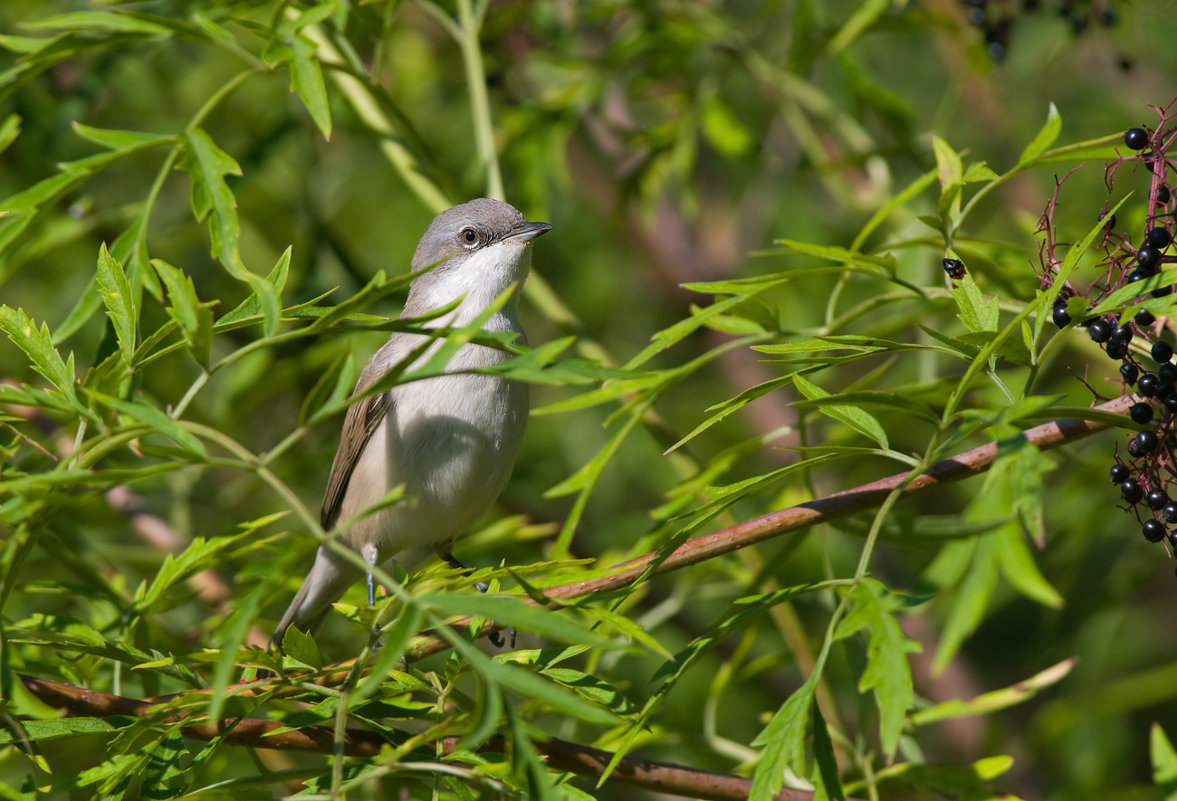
(1171, 403)
(1139, 274)
(1148, 257)
(1147, 385)
(1162, 352)
(1163, 195)
(1158, 238)
(1144, 442)
(1129, 372)
(1153, 530)
(1119, 474)
(1110, 222)
(1059, 314)
(1099, 330)
(1141, 413)
(1131, 490)
(1136, 138)
(1117, 348)
(1156, 499)
(1144, 318)
(1122, 333)
(1169, 513)
(1167, 373)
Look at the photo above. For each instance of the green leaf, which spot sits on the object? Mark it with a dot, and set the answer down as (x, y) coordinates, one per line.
(976, 311)
(784, 743)
(996, 700)
(207, 165)
(109, 21)
(121, 141)
(194, 318)
(1164, 761)
(950, 171)
(395, 639)
(299, 52)
(199, 555)
(971, 598)
(861, 421)
(9, 130)
(887, 672)
(119, 301)
(38, 346)
(1045, 137)
(155, 419)
(514, 611)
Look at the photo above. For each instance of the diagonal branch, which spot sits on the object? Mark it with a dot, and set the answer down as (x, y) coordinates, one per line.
(559, 755)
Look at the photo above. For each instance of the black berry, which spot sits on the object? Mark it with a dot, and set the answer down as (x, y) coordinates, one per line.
(1162, 351)
(1117, 348)
(1163, 195)
(1167, 373)
(1161, 291)
(1120, 473)
(1156, 499)
(1144, 318)
(1170, 513)
(1158, 238)
(1059, 314)
(1122, 334)
(1141, 413)
(1148, 257)
(1131, 490)
(1147, 385)
(954, 268)
(1171, 404)
(1099, 330)
(1139, 274)
(1154, 530)
(1108, 223)
(1146, 442)
(1129, 372)
(1136, 138)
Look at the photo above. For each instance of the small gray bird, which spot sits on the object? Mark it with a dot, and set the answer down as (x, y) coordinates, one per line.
(451, 440)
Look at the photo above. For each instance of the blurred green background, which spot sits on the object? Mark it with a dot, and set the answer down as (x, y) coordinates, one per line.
(666, 142)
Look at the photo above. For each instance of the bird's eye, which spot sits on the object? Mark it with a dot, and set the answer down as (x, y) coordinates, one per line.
(469, 236)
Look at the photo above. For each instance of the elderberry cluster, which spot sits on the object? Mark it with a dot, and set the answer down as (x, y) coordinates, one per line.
(1146, 476)
(996, 18)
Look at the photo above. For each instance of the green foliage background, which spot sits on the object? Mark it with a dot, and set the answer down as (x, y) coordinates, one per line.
(728, 182)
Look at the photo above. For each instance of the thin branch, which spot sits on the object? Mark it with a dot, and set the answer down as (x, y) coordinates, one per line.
(559, 755)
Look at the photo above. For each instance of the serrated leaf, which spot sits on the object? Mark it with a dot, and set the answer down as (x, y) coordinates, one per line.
(199, 555)
(207, 165)
(976, 311)
(971, 599)
(825, 761)
(861, 421)
(194, 318)
(1045, 137)
(887, 671)
(38, 346)
(155, 419)
(119, 301)
(783, 740)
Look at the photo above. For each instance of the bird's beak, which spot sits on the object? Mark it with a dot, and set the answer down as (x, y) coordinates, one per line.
(528, 231)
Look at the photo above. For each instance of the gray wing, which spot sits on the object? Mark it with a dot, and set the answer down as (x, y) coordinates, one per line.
(358, 426)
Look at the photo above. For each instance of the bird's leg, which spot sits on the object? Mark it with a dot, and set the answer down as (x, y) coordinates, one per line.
(497, 638)
(370, 554)
(450, 560)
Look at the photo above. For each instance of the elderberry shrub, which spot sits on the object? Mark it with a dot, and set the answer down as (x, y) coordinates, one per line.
(1132, 335)
(997, 20)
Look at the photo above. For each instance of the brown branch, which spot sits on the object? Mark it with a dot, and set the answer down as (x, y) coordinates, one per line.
(820, 510)
(559, 755)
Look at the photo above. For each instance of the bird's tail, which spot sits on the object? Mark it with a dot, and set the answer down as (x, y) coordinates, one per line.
(329, 577)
